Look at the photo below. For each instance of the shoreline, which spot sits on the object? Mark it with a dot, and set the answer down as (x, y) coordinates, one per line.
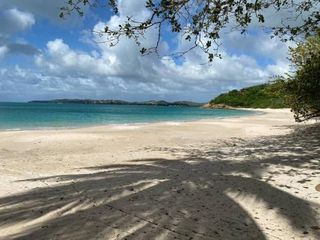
(258, 111)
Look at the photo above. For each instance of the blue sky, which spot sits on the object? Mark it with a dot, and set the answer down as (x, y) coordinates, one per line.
(45, 57)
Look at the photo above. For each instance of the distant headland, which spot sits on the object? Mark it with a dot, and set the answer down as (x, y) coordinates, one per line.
(120, 102)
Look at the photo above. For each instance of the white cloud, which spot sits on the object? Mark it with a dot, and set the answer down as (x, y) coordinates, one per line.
(3, 51)
(49, 9)
(14, 20)
(60, 58)
(257, 44)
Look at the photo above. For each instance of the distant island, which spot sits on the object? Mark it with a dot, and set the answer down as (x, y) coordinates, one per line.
(120, 102)
(260, 96)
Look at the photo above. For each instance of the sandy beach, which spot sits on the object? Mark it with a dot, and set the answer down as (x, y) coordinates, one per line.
(252, 177)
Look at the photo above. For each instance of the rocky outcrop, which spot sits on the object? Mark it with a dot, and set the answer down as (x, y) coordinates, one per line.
(217, 106)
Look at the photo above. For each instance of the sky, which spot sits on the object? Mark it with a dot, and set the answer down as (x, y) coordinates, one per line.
(45, 57)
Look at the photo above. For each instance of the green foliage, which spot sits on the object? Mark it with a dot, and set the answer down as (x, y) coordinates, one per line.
(303, 88)
(260, 96)
(201, 22)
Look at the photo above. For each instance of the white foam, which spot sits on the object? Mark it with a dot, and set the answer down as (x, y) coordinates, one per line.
(125, 127)
(173, 123)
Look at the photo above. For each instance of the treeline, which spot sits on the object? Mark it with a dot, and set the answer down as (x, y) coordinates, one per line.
(120, 102)
(260, 96)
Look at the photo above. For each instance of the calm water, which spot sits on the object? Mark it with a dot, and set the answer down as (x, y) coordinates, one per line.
(42, 115)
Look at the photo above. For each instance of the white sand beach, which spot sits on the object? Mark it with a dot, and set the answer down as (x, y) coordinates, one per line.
(251, 177)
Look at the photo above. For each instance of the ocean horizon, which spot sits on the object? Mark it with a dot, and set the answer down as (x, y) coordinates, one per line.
(29, 116)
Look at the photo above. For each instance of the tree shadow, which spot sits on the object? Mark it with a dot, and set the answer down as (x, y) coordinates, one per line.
(187, 197)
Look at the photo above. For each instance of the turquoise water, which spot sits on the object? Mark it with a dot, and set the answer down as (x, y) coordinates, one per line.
(49, 115)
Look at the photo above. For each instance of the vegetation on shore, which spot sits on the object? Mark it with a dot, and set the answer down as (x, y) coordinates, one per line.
(120, 102)
(261, 96)
(303, 87)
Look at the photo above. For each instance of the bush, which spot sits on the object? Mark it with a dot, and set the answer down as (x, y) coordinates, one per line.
(303, 88)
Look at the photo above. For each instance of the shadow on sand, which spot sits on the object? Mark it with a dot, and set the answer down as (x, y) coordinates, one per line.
(186, 197)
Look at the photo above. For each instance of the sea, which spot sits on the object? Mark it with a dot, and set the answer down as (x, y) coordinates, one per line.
(24, 116)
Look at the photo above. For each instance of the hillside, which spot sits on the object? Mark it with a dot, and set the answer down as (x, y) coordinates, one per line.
(260, 96)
